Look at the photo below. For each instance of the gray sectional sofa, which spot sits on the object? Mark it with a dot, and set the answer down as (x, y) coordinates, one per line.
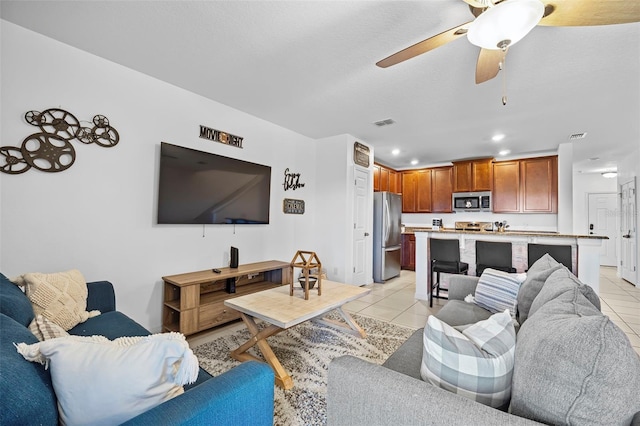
(572, 366)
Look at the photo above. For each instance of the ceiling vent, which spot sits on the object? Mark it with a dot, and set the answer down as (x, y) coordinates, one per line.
(575, 136)
(386, 122)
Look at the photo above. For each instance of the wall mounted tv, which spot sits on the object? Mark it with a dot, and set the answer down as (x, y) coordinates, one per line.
(198, 187)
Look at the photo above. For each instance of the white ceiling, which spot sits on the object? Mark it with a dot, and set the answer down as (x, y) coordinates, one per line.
(309, 66)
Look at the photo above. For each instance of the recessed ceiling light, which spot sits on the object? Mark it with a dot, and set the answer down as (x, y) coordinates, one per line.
(414, 162)
(609, 174)
(594, 158)
(498, 137)
(395, 151)
(505, 152)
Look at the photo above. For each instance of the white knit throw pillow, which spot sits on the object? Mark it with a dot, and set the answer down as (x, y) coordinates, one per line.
(102, 382)
(60, 297)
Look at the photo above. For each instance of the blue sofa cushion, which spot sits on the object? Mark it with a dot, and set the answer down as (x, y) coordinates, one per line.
(14, 303)
(111, 325)
(35, 402)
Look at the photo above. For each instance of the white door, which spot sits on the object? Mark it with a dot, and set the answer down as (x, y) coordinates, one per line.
(361, 212)
(628, 231)
(603, 210)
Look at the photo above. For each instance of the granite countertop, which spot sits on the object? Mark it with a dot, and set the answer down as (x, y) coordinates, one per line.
(515, 233)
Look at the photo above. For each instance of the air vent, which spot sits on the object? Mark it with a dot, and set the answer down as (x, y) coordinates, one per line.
(386, 122)
(577, 136)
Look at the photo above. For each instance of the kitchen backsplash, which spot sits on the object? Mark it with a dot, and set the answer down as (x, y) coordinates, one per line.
(521, 222)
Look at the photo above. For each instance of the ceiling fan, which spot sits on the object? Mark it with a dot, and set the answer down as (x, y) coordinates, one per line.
(500, 24)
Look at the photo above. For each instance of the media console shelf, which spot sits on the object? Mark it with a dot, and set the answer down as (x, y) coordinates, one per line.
(194, 301)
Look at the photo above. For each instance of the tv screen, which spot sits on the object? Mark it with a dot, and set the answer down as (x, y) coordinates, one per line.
(202, 188)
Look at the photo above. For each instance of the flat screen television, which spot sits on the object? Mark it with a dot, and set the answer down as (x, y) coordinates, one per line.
(197, 187)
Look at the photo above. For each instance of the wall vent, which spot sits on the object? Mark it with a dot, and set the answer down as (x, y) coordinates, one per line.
(577, 136)
(386, 122)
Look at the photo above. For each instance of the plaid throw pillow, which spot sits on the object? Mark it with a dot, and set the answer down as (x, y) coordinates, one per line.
(476, 363)
(44, 329)
(497, 291)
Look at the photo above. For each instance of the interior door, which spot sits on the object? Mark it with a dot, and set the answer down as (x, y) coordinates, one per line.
(361, 212)
(628, 231)
(603, 210)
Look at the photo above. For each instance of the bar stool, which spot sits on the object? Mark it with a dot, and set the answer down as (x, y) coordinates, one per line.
(445, 258)
(494, 255)
(561, 254)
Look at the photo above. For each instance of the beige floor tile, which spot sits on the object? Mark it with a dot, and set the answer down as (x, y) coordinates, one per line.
(380, 312)
(614, 296)
(399, 303)
(613, 304)
(623, 326)
(634, 327)
(637, 350)
(356, 306)
(627, 310)
(634, 339)
(630, 319)
(408, 319)
(371, 298)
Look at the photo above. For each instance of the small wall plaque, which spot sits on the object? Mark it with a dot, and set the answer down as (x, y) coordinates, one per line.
(361, 154)
(220, 136)
(291, 206)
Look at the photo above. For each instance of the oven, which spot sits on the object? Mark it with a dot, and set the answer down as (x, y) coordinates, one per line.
(471, 201)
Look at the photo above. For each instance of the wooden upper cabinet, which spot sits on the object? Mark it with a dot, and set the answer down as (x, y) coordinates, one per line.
(441, 189)
(506, 187)
(409, 180)
(472, 175)
(423, 191)
(539, 185)
(385, 179)
(529, 185)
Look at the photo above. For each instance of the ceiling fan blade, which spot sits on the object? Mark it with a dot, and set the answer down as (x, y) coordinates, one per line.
(479, 3)
(565, 13)
(488, 64)
(425, 46)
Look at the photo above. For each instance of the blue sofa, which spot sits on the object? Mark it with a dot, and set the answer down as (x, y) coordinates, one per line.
(241, 396)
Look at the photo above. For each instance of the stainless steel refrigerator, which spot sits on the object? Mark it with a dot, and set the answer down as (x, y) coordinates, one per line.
(387, 212)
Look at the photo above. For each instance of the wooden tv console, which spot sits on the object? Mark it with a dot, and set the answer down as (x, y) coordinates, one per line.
(194, 301)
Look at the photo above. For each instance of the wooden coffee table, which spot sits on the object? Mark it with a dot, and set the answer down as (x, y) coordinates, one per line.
(282, 311)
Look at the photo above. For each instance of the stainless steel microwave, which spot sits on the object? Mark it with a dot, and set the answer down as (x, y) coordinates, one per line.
(471, 201)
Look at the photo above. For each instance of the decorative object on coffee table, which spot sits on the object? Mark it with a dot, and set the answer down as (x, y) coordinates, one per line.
(306, 260)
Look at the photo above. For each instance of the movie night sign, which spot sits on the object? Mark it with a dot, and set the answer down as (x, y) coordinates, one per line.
(220, 136)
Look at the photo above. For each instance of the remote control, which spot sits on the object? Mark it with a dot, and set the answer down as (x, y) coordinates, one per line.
(217, 271)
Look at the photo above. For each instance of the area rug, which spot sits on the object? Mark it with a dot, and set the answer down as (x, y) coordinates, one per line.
(305, 352)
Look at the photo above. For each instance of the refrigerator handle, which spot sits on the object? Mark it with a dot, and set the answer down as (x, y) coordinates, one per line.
(387, 221)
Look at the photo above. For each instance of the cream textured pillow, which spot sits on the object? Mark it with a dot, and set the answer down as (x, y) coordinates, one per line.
(45, 329)
(476, 363)
(60, 297)
(103, 382)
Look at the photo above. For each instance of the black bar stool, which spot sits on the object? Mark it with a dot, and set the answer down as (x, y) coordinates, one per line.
(561, 254)
(494, 255)
(445, 257)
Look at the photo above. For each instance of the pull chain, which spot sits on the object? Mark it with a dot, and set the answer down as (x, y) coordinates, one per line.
(503, 68)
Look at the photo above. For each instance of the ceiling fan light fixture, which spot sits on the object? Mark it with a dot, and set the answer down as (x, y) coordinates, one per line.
(505, 24)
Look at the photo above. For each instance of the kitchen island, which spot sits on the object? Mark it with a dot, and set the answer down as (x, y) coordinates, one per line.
(585, 250)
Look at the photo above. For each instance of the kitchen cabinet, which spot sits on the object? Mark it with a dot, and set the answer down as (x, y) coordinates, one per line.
(416, 191)
(529, 185)
(385, 179)
(472, 175)
(408, 260)
(441, 189)
(427, 190)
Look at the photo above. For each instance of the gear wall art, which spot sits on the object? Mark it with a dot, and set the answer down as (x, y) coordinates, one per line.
(50, 149)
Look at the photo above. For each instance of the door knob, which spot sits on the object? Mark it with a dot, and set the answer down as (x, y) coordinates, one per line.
(627, 235)
(366, 234)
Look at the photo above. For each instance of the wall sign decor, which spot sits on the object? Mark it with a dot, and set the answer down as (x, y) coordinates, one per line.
(361, 154)
(291, 206)
(50, 149)
(220, 136)
(291, 180)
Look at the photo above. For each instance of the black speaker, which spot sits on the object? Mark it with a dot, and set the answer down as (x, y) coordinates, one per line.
(234, 258)
(230, 286)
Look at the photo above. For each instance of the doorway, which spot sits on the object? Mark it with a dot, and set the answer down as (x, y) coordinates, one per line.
(628, 247)
(361, 213)
(602, 214)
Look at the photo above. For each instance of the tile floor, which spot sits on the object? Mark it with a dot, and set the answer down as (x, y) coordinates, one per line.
(394, 302)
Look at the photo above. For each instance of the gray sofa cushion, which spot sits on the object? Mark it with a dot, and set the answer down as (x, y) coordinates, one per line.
(574, 366)
(559, 283)
(536, 277)
(407, 359)
(458, 312)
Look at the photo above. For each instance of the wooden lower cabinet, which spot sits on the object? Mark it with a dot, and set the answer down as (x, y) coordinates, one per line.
(194, 301)
(408, 257)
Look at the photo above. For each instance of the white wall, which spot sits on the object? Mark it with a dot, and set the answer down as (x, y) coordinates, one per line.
(99, 215)
(629, 168)
(584, 184)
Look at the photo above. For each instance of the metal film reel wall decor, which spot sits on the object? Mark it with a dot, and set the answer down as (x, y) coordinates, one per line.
(50, 149)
